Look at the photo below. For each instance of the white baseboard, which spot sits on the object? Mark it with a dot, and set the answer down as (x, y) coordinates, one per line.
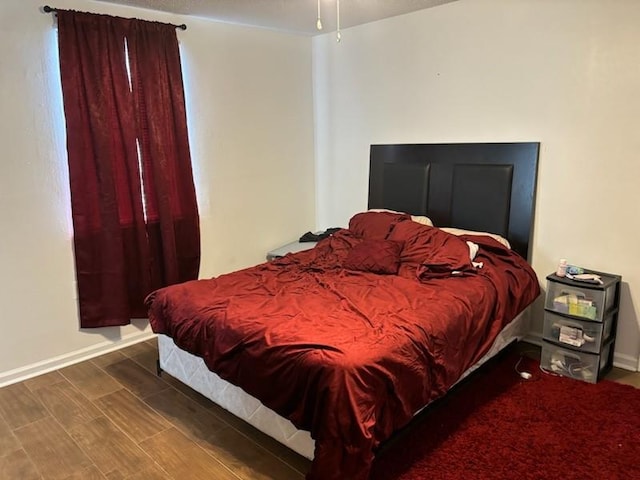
(626, 362)
(61, 361)
(534, 338)
(620, 360)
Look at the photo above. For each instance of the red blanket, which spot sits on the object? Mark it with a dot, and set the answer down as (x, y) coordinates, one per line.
(347, 354)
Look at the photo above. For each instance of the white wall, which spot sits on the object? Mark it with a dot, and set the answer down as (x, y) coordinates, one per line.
(565, 73)
(249, 102)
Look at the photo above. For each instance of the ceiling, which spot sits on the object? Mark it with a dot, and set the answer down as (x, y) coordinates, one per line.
(295, 16)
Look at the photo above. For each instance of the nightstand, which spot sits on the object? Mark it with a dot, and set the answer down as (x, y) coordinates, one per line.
(579, 329)
(292, 247)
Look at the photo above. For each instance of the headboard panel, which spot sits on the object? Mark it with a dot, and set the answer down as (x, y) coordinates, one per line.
(476, 186)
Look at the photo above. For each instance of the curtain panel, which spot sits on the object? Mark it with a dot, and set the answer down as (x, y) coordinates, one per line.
(134, 210)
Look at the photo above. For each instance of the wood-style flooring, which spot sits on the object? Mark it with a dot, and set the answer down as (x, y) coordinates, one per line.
(113, 418)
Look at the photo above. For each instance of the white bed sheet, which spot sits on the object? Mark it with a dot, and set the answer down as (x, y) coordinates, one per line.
(192, 371)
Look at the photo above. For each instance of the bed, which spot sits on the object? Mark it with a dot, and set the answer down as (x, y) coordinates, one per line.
(333, 349)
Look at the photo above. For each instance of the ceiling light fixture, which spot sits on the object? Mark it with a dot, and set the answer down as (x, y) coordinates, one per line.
(338, 34)
(319, 20)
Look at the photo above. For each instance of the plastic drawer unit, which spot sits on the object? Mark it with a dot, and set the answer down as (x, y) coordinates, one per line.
(580, 334)
(580, 299)
(584, 366)
(579, 331)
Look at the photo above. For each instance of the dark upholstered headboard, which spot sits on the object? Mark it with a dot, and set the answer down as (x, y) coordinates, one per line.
(487, 187)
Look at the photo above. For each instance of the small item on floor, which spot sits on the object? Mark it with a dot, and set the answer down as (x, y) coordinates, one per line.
(524, 374)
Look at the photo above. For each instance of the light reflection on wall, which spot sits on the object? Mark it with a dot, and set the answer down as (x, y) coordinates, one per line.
(202, 192)
(58, 133)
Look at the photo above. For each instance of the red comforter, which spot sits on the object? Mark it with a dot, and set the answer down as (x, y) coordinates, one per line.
(350, 355)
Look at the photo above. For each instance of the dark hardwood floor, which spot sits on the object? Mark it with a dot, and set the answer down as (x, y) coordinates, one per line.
(112, 418)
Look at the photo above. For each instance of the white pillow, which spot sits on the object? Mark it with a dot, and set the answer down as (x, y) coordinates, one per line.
(416, 218)
(422, 220)
(460, 231)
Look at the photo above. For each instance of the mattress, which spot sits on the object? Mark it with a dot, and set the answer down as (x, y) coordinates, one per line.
(192, 371)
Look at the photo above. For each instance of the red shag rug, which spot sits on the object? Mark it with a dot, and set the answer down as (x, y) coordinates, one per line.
(496, 425)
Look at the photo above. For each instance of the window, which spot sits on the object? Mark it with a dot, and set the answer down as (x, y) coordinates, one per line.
(135, 217)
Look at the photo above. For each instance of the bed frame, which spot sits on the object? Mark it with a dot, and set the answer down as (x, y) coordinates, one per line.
(485, 187)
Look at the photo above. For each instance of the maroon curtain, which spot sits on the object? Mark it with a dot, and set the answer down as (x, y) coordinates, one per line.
(170, 200)
(117, 249)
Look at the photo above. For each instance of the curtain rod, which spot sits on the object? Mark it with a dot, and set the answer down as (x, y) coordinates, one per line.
(48, 9)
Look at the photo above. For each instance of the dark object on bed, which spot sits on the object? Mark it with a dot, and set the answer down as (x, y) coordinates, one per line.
(488, 187)
(316, 237)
